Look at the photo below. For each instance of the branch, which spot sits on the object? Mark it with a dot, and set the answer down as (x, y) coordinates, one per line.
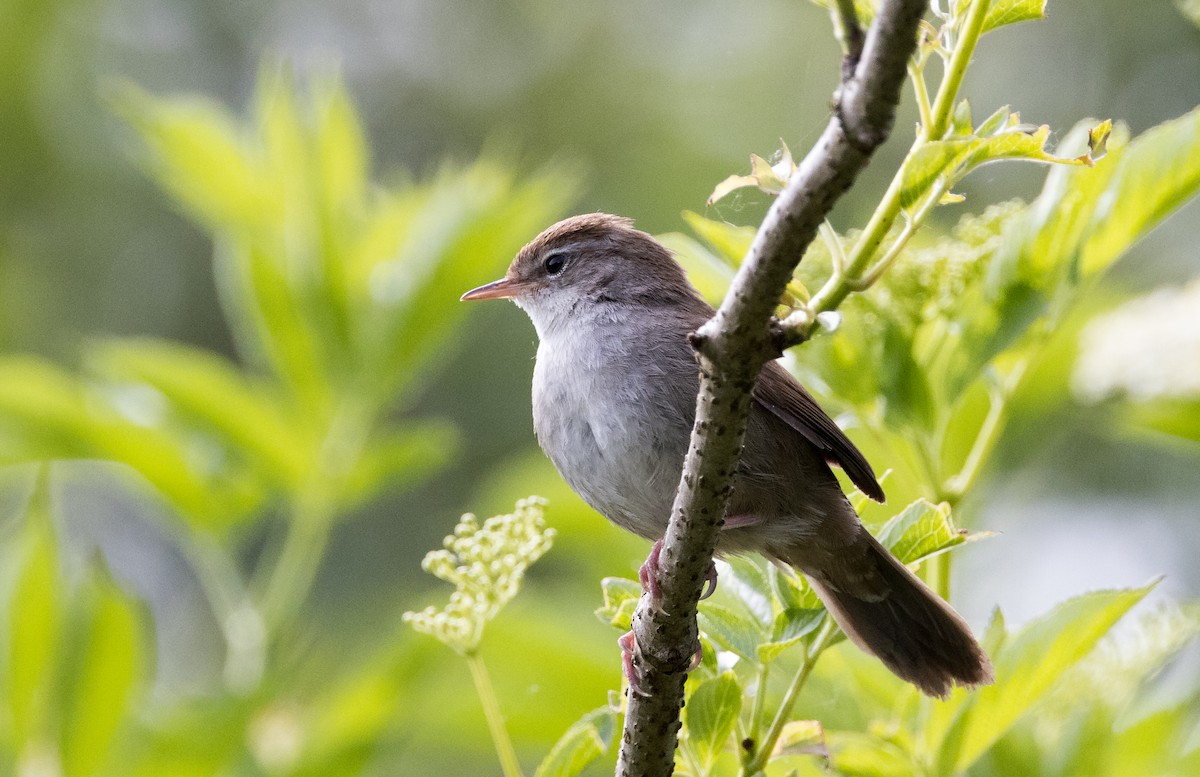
(732, 348)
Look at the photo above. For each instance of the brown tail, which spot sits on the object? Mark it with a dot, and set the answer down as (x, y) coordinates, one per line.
(905, 624)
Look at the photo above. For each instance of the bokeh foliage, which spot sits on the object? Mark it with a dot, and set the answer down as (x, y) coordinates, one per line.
(333, 289)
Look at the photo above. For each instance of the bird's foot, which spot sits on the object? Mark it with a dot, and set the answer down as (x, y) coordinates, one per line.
(630, 649)
(648, 575)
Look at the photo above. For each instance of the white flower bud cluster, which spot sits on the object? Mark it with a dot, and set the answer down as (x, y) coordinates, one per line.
(1146, 349)
(486, 564)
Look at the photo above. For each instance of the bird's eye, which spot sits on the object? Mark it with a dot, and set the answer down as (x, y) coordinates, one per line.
(554, 264)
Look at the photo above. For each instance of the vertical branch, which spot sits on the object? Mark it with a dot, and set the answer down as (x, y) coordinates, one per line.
(731, 349)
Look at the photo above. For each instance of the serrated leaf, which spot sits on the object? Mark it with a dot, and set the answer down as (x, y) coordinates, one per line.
(792, 591)
(732, 631)
(921, 530)
(1005, 12)
(747, 583)
(710, 715)
(790, 628)
(586, 740)
(941, 164)
(1027, 666)
(621, 597)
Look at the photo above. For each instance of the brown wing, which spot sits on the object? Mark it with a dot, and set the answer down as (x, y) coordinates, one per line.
(779, 393)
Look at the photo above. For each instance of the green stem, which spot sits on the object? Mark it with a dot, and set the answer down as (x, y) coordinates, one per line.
(964, 48)
(296, 568)
(763, 750)
(240, 621)
(986, 439)
(916, 72)
(314, 510)
(491, 710)
(938, 574)
(756, 711)
(841, 285)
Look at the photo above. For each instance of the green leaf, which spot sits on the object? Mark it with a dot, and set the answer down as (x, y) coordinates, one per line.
(400, 457)
(462, 229)
(195, 150)
(941, 164)
(905, 385)
(921, 530)
(46, 413)
(1027, 667)
(792, 591)
(621, 597)
(731, 631)
(212, 393)
(103, 675)
(34, 620)
(790, 627)
(1005, 12)
(1085, 219)
(710, 714)
(707, 272)
(731, 242)
(858, 754)
(585, 741)
(747, 583)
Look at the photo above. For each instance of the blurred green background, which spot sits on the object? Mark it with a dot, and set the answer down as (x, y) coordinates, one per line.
(632, 107)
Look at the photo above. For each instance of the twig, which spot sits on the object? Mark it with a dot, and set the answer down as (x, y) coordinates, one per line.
(732, 348)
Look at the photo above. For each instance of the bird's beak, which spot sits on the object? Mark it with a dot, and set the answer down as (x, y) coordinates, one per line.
(505, 288)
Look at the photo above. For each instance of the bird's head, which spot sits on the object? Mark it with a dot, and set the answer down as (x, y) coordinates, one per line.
(586, 266)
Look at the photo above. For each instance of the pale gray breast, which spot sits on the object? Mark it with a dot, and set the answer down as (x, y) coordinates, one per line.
(613, 411)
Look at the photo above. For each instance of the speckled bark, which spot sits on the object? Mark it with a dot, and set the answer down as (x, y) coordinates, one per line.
(732, 349)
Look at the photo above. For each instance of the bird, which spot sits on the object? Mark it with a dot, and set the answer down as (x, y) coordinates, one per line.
(614, 401)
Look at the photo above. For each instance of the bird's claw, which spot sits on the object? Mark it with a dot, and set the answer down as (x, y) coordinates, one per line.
(710, 582)
(630, 649)
(648, 576)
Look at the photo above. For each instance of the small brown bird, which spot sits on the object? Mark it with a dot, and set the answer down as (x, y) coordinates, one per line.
(614, 400)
